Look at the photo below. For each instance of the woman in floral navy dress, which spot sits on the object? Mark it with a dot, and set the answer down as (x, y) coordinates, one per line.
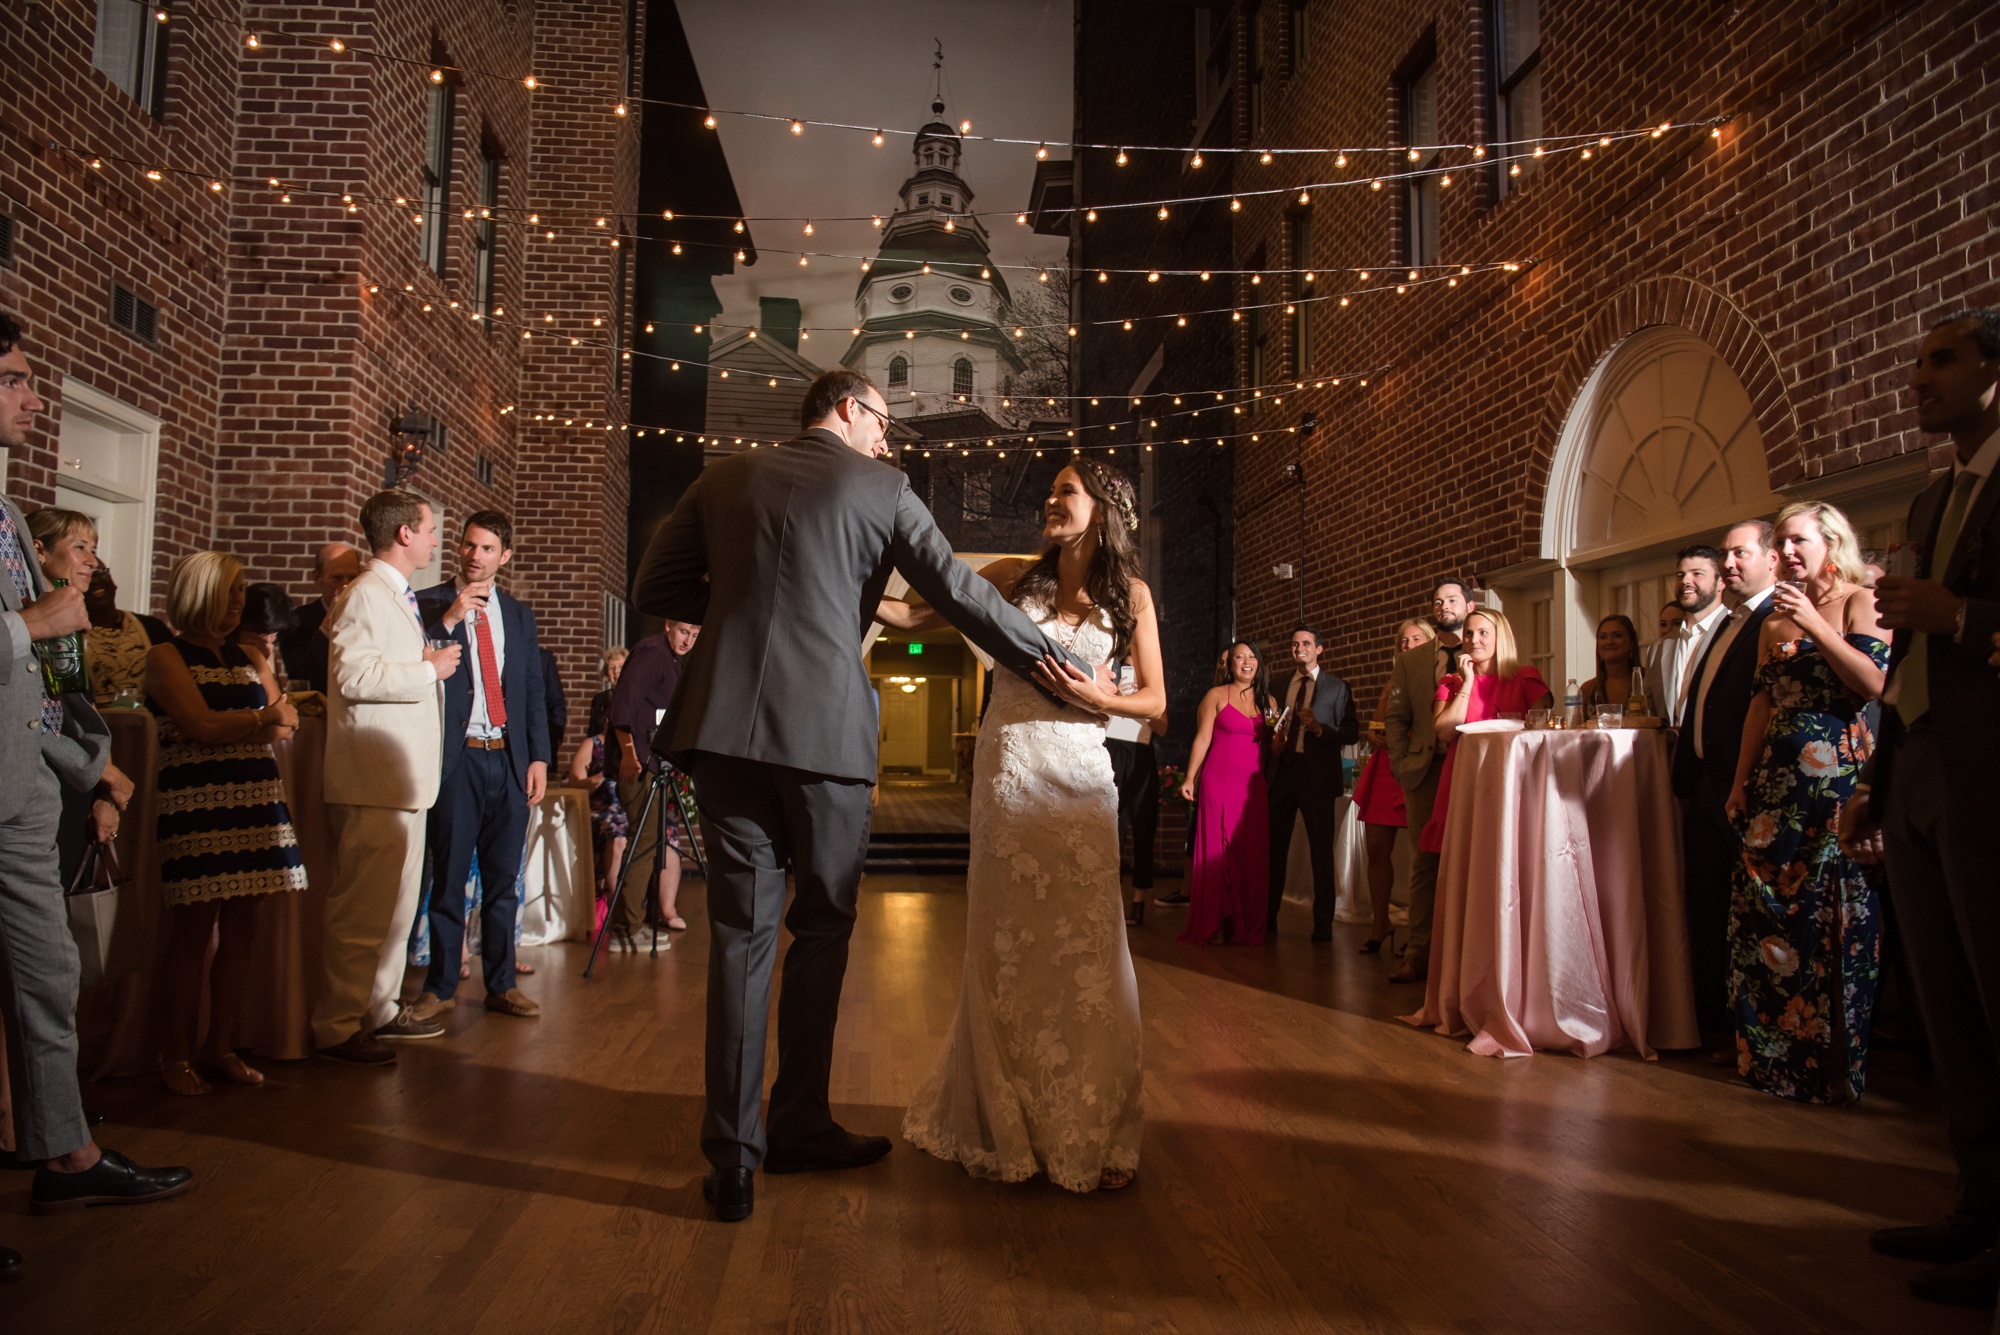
(1805, 936)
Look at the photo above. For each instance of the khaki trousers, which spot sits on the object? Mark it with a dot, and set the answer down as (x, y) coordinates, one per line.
(368, 915)
(1418, 803)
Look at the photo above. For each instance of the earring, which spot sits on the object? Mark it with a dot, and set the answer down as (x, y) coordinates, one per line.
(1830, 569)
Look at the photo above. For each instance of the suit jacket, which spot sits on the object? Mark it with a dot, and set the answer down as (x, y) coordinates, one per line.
(1319, 765)
(522, 687)
(23, 744)
(79, 753)
(556, 701)
(1723, 712)
(781, 556)
(1964, 693)
(385, 711)
(304, 647)
(1409, 731)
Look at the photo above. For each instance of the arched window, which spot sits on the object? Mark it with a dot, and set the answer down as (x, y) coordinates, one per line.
(961, 376)
(899, 370)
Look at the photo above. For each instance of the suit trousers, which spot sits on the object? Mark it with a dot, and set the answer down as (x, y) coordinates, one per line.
(1943, 844)
(1710, 850)
(1418, 803)
(369, 910)
(1293, 793)
(39, 973)
(1136, 772)
(481, 809)
(756, 819)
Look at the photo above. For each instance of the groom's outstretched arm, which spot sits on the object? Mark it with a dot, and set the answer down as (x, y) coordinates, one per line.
(673, 576)
(972, 605)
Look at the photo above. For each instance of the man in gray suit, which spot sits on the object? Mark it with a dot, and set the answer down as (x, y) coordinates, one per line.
(781, 556)
(38, 960)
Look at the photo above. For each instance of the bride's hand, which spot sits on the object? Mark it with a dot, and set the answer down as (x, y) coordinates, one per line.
(1067, 684)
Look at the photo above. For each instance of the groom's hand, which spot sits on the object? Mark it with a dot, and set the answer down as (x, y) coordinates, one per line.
(1063, 680)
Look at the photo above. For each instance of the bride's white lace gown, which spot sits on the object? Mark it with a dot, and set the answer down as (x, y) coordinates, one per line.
(1040, 1073)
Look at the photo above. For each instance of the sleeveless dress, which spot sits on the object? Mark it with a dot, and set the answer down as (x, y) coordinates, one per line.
(1040, 1070)
(1805, 938)
(1229, 881)
(1491, 697)
(223, 826)
(1378, 798)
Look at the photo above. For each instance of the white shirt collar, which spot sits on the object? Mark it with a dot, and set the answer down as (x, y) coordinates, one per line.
(1982, 462)
(397, 579)
(1755, 601)
(1717, 611)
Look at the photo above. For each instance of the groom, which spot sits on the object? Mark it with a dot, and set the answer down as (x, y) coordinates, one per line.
(781, 557)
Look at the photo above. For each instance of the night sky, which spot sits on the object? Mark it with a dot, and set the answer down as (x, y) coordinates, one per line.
(1007, 70)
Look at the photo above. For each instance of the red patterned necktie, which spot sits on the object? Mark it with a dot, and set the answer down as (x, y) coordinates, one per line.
(489, 674)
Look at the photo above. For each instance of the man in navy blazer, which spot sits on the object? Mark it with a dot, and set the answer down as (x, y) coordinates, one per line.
(1711, 739)
(496, 762)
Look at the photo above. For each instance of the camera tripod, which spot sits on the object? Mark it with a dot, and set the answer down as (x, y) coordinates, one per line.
(672, 810)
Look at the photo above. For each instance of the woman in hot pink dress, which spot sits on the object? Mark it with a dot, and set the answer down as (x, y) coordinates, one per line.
(1378, 799)
(1496, 682)
(1228, 886)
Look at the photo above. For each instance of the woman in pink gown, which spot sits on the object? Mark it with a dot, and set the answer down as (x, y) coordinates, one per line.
(1228, 885)
(1495, 682)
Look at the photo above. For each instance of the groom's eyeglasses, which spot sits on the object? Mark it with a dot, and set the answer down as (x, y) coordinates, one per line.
(884, 417)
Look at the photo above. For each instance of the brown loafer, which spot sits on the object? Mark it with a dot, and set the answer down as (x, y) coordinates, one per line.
(513, 1002)
(428, 1006)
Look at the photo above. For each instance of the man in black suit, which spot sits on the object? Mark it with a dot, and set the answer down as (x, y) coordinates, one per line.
(304, 646)
(1319, 720)
(496, 764)
(782, 557)
(1711, 739)
(1935, 791)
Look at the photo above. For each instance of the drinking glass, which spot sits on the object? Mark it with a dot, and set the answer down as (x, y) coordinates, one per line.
(1538, 718)
(1611, 716)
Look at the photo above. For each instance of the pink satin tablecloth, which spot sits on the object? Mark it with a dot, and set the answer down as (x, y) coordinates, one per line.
(1558, 921)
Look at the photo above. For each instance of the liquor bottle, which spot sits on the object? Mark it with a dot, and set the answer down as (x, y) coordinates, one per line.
(64, 669)
(1636, 704)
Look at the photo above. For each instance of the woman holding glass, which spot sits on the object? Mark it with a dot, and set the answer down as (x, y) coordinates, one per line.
(1492, 681)
(1378, 799)
(225, 834)
(1228, 888)
(1804, 931)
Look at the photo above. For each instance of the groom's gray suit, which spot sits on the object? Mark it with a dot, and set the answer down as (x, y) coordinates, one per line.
(781, 556)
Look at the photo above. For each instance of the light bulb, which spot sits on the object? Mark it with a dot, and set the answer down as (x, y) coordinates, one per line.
(798, 127)
(1196, 162)
(1340, 159)
(529, 82)
(708, 122)
(878, 139)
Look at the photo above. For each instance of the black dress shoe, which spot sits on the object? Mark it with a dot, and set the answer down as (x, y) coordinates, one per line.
(1973, 1283)
(112, 1180)
(1958, 1236)
(1322, 934)
(10, 1263)
(731, 1191)
(834, 1149)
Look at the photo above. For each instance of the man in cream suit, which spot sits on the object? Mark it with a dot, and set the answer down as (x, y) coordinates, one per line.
(384, 735)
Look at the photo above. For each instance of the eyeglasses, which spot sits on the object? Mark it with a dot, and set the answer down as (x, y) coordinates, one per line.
(882, 415)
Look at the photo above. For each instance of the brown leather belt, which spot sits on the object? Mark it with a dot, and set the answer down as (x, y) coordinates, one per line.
(487, 743)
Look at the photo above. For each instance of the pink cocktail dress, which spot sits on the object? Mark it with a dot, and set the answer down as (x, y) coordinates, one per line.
(1230, 881)
(1491, 697)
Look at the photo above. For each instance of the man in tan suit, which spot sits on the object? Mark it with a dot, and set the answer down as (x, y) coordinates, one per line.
(1417, 758)
(384, 734)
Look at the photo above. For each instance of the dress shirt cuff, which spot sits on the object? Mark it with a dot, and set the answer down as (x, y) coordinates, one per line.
(430, 670)
(17, 631)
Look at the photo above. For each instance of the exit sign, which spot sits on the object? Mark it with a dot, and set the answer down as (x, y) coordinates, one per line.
(916, 648)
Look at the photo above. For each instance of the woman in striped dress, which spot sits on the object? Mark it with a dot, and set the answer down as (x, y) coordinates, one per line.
(225, 835)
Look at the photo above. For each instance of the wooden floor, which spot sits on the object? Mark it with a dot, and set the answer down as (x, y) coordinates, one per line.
(1310, 1164)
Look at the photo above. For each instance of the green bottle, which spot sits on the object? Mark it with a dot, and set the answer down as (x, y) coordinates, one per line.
(64, 670)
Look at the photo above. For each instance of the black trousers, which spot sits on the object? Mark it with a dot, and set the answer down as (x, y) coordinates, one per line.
(481, 809)
(1943, 845)
(1136, 771)
(1710, 850)
(755, 820)
(1293, 793)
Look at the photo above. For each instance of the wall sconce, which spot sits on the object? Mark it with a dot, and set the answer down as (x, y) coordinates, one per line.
(409, 437)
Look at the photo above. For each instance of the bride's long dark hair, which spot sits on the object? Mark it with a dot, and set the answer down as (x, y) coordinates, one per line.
(1116, 564)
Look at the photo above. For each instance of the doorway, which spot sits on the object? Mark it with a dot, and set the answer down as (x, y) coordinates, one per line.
(107, 456)
(904, 741)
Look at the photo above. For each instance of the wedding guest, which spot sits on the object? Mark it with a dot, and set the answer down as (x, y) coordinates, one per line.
(1491, 681)
(555, 701)
(1378, 800)
(225, 835)
(495, 767)
(1698, 597)
(383, 760)
(1936, 788)
(1228, 883)
(304, 646)
(591, 767)
(38, 988)
(1804, 924)
(1135, 770)
(118, 640)
(1317, 721)
(1711, 736)
(268, 614)
(1619, 674)
(1671, 619)
(610, 666)
(645, 687)
(1416, 757)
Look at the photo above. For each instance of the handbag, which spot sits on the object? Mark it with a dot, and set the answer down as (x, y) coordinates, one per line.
(92, 902)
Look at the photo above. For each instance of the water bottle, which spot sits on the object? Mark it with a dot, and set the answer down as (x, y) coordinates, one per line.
(64, 669)
(1572, 705)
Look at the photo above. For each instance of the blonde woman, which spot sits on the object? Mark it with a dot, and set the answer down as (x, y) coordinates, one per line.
(1804, 935)
(1378, 798)
(225, 835)
(1491, 681)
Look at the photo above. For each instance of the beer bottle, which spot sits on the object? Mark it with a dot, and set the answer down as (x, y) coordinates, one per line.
(64, 670)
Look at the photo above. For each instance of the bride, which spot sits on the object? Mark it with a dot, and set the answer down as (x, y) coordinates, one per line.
(1041, 1073)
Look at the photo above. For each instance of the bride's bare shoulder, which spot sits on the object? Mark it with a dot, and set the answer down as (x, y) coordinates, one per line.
(1005, 573)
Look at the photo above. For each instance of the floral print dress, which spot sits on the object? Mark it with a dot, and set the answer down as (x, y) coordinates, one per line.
(1804, 930)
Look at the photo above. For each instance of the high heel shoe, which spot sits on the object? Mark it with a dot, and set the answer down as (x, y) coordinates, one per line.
(235, 1070)
(1373, 945)
(180, 1077)
(1135, 913)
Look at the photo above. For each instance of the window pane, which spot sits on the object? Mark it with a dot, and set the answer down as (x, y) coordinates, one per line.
(899, 371)
(1422, 111)
(1519, 36)
(961, 377)
(119, 47)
